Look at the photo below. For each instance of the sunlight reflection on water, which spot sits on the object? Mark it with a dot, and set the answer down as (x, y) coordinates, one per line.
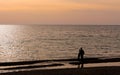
(18, 43)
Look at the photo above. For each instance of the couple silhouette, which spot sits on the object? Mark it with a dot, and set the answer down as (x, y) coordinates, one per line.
(81, 58)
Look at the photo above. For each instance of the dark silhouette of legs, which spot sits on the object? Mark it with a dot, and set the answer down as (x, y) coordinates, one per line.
(81, 62)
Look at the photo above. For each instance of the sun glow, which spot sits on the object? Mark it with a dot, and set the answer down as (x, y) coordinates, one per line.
(29, 5)
(26, 11)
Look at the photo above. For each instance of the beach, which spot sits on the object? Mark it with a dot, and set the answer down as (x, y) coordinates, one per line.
(72, 71)
(65, 67)
(59, 37)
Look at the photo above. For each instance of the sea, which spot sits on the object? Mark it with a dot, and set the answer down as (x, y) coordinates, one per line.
(48, 42)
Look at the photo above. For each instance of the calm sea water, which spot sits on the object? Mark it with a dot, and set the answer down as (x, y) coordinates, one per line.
(35, 42)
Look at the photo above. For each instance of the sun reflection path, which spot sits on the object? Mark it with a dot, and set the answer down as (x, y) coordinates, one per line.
(7, 39)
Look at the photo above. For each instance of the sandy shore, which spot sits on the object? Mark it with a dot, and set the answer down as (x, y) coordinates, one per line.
(92, 66)
(72, 71)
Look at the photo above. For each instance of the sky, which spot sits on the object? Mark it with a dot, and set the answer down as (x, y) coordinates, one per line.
(75, 12)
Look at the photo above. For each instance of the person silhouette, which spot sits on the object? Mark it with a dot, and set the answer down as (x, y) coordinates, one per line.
(81, 57)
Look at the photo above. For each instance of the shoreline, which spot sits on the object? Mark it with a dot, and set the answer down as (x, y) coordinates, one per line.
(70, 61)
(34, 67)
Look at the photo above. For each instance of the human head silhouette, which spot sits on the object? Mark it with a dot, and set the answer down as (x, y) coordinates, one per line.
(80, 49)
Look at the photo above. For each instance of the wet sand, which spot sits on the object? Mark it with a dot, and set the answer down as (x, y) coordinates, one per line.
(71, 61)
(72, 71)
(93, 66)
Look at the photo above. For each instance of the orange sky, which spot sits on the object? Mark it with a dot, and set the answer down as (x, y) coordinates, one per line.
(59, 12)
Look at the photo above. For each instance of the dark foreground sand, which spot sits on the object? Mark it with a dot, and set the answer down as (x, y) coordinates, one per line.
(111, 70)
